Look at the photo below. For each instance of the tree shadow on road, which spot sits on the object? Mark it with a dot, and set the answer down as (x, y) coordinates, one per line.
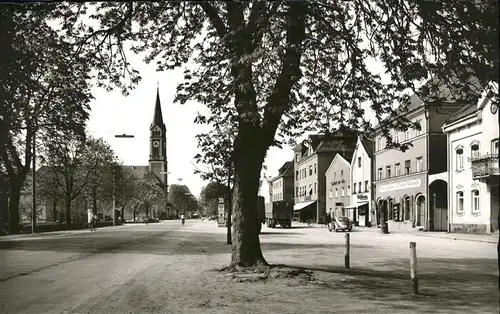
(445, 285)
(281, 233)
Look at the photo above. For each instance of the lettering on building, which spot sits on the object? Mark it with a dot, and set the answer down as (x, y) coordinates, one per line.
(400, 186)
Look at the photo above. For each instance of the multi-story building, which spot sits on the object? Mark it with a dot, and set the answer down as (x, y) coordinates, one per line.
(411, 186)
(338, 188)
(282, 185)
(473, 167)
(361, 178)
(312, 158)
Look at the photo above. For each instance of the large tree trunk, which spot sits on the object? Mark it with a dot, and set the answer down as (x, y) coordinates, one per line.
(248, 160)
(68, 209)
(54, 208)
(14, 199)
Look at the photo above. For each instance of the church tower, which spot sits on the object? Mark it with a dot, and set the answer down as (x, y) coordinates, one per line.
(158, 145)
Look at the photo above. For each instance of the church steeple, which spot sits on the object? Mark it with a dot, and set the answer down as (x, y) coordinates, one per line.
(158, 116)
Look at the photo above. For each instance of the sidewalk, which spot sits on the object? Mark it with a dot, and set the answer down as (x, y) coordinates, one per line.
(487, 238)
(48, 234)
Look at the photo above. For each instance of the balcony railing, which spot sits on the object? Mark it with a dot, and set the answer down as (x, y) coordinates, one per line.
(485, 166)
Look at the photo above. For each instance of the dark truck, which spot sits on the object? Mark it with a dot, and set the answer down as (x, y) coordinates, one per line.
(261, 215)
(279, 213)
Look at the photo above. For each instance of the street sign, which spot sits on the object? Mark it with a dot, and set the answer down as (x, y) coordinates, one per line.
(221, 217)
(221, 200)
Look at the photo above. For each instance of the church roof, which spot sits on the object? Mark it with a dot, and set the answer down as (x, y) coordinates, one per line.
(158, 116)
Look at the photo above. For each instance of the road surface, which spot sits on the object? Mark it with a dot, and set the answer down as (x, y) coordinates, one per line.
(169, 268)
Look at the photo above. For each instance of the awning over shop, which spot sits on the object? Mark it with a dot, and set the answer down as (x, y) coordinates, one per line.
(301, 206)
(356, 206)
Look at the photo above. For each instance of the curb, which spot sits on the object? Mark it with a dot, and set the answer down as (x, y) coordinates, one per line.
(457, 239)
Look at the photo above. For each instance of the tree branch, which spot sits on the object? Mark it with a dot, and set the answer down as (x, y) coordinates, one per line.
(214, 18)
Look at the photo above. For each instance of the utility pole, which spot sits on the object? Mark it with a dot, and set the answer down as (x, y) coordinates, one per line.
(33, 210)
(114, 198)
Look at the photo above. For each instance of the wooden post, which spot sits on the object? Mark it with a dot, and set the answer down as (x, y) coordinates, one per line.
(347, 249)
(413, 267)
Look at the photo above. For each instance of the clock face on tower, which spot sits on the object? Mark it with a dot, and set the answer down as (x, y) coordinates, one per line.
(156, 143)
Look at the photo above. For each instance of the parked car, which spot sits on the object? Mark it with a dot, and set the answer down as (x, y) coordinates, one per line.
(340, 223)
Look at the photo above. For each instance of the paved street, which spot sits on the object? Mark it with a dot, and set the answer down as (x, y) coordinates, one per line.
(169, 268)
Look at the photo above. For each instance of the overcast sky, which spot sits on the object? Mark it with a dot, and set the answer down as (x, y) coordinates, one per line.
(112, 113)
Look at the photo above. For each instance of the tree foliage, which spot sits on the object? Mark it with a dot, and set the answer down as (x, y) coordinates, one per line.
(274, 69)
(182, 199)
(44, 89)
(75, 165)
(209, 196)
(144, 195)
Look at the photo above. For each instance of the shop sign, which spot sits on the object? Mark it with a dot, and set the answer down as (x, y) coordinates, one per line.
(338, 182)
(400, 186)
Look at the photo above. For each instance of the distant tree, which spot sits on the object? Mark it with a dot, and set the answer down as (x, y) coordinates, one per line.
(209, 197)
(145, 194)
(44, 88)
(274, 69)
(182, 199)
(74, 164)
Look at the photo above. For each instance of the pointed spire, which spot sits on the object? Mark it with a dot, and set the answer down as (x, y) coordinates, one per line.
(158, 117)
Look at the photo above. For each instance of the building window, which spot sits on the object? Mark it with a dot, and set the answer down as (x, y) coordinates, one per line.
(475, 201)
(379, 174)
(387, 171)
(310, 170)
(156, 151)
(366, 186)
(341, 173)
(296, 174)
(343, 192)
(460, 159)
(314, 188)
(397, 169)
(407, 166)
(407, 134)
(359, 187)
(315, 168)
(297, 191)
(380, 143)
(460, 201)
(336, 192)
(331, 193)
(494, 147)
(354, 189)
(296, 157)
(420, 164)
(359, 162)
(310, 189)
(348, 190)
(419, 122)
(396, 137)
(335, 174)
(474, 151)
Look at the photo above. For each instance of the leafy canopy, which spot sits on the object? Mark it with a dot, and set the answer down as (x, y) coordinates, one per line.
(300, 66)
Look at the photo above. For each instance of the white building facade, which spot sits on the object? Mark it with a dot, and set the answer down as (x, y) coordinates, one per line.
(361, 178)
(473, 167)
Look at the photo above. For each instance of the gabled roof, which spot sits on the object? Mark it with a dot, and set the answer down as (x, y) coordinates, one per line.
(368, 145)
(462, 113)
(283, 170)
(338, 157)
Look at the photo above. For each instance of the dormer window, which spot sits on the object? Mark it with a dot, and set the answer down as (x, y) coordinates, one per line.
(296, 157)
